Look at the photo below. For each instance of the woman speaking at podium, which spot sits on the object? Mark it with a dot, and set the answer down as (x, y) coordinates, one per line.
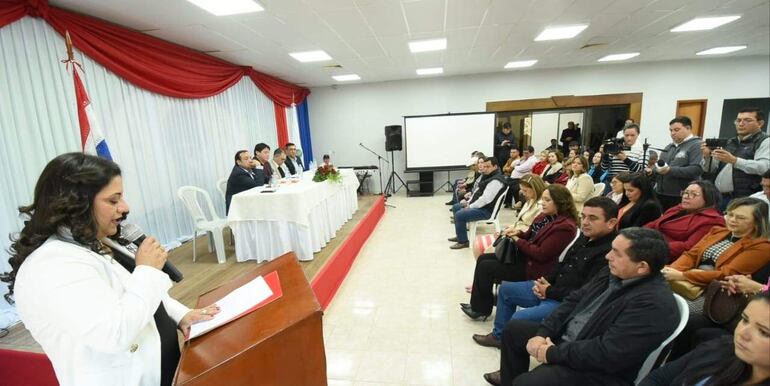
(98, 323)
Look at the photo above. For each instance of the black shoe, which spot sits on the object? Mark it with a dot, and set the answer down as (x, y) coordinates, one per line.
(449, 203)
(465, 305)
(488, 340)
(493, 378)
(452, 239)
(475, 315)
(459, 245)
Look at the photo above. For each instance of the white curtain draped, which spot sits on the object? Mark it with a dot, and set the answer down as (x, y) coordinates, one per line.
(161, 143)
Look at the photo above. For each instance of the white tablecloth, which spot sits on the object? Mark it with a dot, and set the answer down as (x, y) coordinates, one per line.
(300, 217)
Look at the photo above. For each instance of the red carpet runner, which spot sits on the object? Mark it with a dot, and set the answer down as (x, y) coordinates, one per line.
(330, 277)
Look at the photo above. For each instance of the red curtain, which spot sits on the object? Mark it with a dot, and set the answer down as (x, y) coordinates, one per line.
(280, 125)
(148, 62)
(11, 10)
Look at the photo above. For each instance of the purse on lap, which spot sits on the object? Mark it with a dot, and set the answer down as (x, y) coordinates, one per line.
(721, 307)
(506, 250)
(686, 289)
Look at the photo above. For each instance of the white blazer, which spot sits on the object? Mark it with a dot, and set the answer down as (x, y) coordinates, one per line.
(93, 318)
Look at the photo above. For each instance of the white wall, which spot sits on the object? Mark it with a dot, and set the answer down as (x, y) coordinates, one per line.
(343, 116)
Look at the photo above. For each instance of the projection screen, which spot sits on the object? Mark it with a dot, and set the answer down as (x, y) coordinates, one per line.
(446, 141)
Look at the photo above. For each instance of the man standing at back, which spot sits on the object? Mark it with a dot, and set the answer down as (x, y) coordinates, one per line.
(740, 164)
(682, 160)
(293, 163)
(603, 332)
(243, 177)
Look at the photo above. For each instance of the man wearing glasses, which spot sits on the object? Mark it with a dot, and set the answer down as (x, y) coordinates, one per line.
(739, 165)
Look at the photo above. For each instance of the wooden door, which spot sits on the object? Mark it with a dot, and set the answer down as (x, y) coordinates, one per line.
(696, 111)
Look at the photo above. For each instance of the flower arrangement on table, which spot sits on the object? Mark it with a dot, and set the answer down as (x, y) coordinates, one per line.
(327, 172)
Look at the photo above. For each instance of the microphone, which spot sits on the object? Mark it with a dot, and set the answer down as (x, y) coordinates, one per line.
(135, 235)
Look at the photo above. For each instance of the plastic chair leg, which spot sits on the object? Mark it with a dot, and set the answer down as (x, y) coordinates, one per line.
(219, 244)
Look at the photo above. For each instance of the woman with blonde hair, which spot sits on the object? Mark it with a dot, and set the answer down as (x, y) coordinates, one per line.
(580, 184)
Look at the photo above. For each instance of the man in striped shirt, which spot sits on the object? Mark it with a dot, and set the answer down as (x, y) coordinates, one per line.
(625, 161)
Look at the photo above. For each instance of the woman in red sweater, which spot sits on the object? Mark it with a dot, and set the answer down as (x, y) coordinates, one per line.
(685, 224)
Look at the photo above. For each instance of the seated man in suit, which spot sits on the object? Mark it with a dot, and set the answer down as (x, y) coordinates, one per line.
(278, 163)
(262, 158)
(603, 332)
(243, 177)
(293, 163)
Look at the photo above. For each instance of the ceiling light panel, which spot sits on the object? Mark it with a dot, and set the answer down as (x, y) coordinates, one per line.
(427, 45)
(561, 32)
(521, 64)
(721, 50)
(430, 71)
(704, 23)
(311, 56)
(346, 78)
(228, 7)
(618, 57)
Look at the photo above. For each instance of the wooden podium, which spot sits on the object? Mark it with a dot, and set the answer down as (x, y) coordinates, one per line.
(279, 344)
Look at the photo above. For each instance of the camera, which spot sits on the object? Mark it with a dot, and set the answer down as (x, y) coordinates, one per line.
(615, 145)
(715, 143)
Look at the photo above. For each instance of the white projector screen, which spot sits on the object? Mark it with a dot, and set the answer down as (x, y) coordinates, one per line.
(447, 141)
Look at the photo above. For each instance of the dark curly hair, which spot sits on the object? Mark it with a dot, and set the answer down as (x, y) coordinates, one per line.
(64, 196)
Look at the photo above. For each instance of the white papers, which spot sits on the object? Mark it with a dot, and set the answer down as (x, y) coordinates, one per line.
(234, 304)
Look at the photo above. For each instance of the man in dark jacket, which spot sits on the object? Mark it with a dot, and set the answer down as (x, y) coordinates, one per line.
(581, 263)
(603, 332)
(243, 177)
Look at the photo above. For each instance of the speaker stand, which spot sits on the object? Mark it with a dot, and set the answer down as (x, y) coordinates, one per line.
(390, 188)
(448, 184)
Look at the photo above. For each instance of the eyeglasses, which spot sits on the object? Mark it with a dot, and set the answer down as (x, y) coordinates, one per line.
(731, 215)
(686, 193)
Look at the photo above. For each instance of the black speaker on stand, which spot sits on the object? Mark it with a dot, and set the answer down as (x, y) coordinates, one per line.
(393, 142)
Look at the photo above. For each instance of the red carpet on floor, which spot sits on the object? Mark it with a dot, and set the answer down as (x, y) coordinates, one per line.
(330, 277)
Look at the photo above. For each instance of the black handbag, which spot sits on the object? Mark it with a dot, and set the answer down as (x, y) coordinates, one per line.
(506, 250)
(721, 307)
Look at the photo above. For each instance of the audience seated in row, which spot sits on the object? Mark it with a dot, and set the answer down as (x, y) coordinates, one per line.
(582, 261)
(602, 332)
(554, 169)
(538, 251)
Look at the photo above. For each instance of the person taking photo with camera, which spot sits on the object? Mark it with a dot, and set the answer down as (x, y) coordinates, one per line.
(738, 163)
(623, 155)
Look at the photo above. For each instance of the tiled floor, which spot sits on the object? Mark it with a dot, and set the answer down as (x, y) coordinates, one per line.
(396, 318)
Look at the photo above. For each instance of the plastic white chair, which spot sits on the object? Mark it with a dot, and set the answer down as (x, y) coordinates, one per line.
(491, 220)
(684, 316)
(222, 187)
(213, 225)
(598, 189)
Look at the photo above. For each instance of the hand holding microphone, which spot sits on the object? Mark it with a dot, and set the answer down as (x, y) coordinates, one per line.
(151, 253)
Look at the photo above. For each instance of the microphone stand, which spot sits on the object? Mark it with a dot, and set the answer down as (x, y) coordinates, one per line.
(379, 168)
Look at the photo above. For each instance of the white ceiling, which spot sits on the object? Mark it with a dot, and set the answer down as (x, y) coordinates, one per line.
(369, 37)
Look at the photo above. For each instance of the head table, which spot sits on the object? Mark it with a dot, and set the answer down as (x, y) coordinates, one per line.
(300, 215)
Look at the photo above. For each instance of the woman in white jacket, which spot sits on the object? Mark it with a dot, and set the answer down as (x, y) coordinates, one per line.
(98, 323)
(581, 185)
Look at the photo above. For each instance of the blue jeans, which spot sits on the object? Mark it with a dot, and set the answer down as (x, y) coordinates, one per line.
(519, 293)
(464, 216)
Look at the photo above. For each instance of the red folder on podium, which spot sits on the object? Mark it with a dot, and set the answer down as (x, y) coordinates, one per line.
(279, 343)
(273, 282)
